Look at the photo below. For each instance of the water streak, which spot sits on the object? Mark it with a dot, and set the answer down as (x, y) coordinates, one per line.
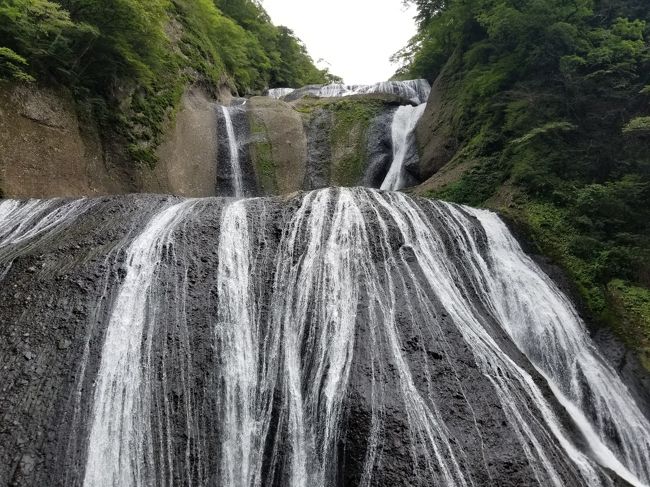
(402, 133)
(233, 148)
(546, 326)
(120, 449)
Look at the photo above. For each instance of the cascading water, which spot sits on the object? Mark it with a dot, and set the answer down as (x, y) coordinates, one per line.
(402, 133)
(120, 450)
(244, 406)
(391, 151)
(337, 337)
(417, 91)
(278, 93)
(544, 325)
(233, 152)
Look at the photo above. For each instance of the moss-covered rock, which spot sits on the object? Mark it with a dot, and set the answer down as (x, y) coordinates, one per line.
(631, 305)
(343, 125)
(316, 142)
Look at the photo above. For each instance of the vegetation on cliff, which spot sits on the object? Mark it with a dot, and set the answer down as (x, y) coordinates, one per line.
(130, 61)
(548, 100)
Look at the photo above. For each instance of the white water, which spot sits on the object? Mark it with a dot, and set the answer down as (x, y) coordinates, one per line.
(21, 221)
(402, 133)
(23, 224)
(442, 276)
(546, 326)
(417, 91)
(120, 448)
(233, 147)
(245, 406)
(278, 93)
(337, 278)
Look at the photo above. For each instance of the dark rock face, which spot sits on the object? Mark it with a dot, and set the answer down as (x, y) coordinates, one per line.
(319, 147)
(309, 328)
(380, 150)
(436, 141)
(52, 306)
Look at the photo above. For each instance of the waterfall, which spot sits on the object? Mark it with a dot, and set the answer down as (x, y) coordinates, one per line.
(335, 337)
(24, 224)
(284, 381)
(120, 446)
(244, 407)
(233, 148)
(544, 324)
(417, 91)
(278, 93)
(402, 133)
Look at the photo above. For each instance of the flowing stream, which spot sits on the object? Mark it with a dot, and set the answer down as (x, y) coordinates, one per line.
(284, 379)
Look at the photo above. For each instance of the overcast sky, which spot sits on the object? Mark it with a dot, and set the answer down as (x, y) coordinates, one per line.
(356, 37)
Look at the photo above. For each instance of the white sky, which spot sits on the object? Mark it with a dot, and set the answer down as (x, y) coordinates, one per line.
(356, 37)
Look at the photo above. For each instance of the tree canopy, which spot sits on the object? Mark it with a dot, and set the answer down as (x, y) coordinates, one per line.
(130, 60)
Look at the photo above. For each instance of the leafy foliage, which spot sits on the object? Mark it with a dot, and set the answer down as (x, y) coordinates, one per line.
(549, 98)
(637, 125)
(12, 66)
(289, 64)
(130, 60)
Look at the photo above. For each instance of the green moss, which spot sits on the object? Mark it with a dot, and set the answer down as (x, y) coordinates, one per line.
(352, 118)
(488, 171)
(547, 128)
(148, 115)
(632, 305)
(476, 185)
(349, 171)
(550, 228)
(548, 105)
(143, 154)
(637, 125)
(620, 305)
(262, 156)
(350, 113)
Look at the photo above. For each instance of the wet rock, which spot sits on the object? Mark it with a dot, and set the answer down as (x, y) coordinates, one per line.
(27, 464)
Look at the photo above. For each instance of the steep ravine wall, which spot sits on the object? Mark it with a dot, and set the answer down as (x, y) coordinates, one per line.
(437, 143)
(278, 145)
(48, 149)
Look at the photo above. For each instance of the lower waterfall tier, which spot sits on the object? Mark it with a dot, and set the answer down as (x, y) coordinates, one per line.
(330, 338)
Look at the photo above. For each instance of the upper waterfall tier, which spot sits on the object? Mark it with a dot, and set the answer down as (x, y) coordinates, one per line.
(417, 91)
(307, 142)
(336, 337)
